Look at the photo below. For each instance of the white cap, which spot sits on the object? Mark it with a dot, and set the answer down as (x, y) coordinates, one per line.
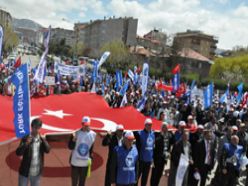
(182, 123)
(129, 135)
(236, 113)
(200, 127)
(164, 124)
(86, 120)
(190, 117)
(148, 121)
(119, 127)
(234, 127)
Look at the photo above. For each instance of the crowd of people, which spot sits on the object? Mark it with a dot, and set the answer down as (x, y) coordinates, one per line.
(214, 140)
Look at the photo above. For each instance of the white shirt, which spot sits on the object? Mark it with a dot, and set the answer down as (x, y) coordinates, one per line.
(80, 155)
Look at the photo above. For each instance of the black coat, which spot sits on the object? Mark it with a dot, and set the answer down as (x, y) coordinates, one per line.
(158, 153)
(199, 154)
(25, 151)
(177, 150)
(111, 141)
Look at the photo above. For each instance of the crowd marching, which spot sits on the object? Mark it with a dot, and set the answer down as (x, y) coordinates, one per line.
(213, 140)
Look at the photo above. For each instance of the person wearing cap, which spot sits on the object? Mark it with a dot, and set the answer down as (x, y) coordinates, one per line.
(163, 143)
(32, 149)
(230, 162)
(235, 129)
(124, 162)
(81, 143)
(145, 140)
(191, 122)
(179, 132)
(112, 140)
(203, 156)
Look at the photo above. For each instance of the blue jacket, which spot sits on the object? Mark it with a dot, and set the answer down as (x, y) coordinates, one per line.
(125, 165)
(146, 145)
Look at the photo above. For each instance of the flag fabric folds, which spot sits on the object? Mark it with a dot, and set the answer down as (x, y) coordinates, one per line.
(145, 76)
(208, 96)
(21, 101)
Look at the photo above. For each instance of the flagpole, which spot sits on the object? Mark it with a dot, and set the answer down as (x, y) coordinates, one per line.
(29, 96)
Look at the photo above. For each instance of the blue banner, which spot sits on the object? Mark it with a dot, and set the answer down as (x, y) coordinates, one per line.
(41, 71)
(145, 75)
(240, 89)
(124, 88)
(103, 58)
(21, 103)
(176, 82)
(95, 71)
(118, 77)
(208, 96)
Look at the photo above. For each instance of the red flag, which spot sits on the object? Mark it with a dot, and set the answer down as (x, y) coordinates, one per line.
(161, 86)
(245, 99)
(63, 113)
(176, 69)
(181, 90)
(18, 62)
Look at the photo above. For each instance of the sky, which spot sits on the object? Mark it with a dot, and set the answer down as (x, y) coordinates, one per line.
(225, 19)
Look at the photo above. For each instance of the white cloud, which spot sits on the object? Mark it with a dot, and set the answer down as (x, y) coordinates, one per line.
(180, 15)
(171, 16)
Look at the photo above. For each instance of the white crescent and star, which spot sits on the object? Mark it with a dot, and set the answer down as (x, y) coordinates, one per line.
(59, 113)
(108, 125)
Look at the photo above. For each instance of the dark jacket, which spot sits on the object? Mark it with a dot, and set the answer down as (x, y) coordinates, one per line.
(25, 151)
(177, 150)
(158, 153)
(199, 154)
(111, 141)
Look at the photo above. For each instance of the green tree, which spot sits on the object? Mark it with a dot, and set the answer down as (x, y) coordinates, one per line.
(78, 49)
(10, 38)
(119, 57)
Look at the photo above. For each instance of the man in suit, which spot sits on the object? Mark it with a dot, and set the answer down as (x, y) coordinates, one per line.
(163, 142)
(181, 147)
(112, 140)
(204, 155)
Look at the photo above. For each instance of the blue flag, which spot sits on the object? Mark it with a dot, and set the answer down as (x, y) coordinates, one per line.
(240, 89)
(21, 104)
(124, 88)
(145, 75)
(176, 82)
(225, 96)
(118, 77)
(95, 72)
(208, 96)
(141, 104)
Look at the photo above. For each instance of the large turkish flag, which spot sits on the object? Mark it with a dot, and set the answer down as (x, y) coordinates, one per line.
(63, 113)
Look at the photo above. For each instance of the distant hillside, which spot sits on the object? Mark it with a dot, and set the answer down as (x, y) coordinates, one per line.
(26, 23)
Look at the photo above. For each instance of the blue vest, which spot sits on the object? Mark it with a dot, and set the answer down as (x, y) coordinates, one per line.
(235, 152)
(126, 160)
(147, 144)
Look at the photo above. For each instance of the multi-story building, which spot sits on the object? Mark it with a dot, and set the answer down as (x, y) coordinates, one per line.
(154, 41)
(197, 41)
(96, 33)
(57, 34)
(5, 18)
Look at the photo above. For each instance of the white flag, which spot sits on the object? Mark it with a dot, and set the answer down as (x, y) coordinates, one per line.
(145, 75)
(124, 101)
(103, 58)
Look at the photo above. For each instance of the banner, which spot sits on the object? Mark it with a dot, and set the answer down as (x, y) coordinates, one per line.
(103, 58)
(68, 70)
(181, 169)
(145, 75)
(124, 88)
(208, 96)
(131, 75)
(21, 101)
(1, 42)
(176, 82)
(49, 80)
(40, 72)
(124, 101)
(118, 77)
(95, 72)
(240, 89)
